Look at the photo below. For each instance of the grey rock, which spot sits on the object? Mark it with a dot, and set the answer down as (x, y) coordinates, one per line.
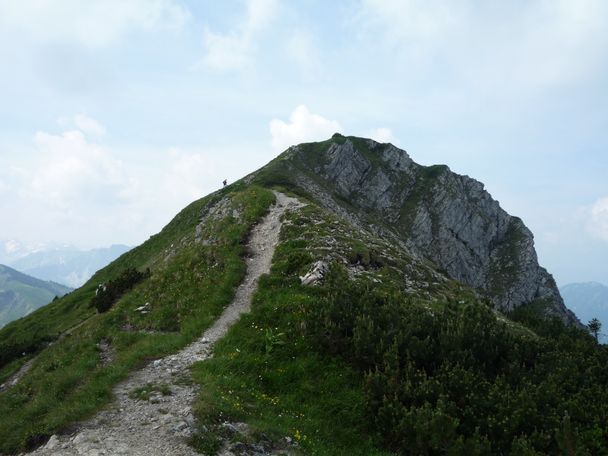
(53, 443)
(182, 425)
(79, 439)
(315, 274)
(232, 428)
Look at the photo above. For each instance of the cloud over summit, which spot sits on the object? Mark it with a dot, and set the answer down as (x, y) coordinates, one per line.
(303, 126)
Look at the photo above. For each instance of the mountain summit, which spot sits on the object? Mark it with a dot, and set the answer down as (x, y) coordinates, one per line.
(433, 212)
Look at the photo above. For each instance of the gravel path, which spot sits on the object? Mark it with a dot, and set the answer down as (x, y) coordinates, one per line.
(162, 424)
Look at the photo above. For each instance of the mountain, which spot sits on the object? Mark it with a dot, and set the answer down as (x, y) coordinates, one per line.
(434, 213)
(66, 264)
(588, 300)
(388, 308)
(12, 249)
(21, 294)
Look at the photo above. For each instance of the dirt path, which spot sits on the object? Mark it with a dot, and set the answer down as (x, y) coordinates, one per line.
(161, 424)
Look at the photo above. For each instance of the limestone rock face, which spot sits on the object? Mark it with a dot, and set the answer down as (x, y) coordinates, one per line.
(439, 215)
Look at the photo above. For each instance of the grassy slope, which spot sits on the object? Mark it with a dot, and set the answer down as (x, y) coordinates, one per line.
(30, 334)
(189, 286)
(353, 366)
(268, 373)
(271, 372)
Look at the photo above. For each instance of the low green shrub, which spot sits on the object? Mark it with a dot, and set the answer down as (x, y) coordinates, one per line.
(107, 294)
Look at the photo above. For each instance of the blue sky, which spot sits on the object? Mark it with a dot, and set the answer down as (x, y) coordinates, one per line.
(115, 114)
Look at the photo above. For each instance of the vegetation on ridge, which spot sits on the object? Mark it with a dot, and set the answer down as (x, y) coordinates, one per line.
(386, 355)
(106, 295)
(411, 375)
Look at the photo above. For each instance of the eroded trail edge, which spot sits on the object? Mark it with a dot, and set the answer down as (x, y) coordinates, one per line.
(161, 424)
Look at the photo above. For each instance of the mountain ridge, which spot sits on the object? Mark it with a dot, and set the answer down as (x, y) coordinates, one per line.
(351, 326)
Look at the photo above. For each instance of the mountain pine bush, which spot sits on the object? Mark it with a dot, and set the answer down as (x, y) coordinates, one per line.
(108, 294)
(454, 379)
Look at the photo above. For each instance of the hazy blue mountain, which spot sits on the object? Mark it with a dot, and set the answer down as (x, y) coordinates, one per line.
(67, 265)
(21, 294)
(13, 249)
(588, 300)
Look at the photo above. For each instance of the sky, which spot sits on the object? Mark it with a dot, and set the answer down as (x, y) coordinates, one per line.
(115, 114)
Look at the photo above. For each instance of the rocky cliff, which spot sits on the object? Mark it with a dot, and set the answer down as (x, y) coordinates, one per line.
(447, 218)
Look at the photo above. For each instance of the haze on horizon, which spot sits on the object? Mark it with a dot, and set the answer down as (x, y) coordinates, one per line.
(115, 114)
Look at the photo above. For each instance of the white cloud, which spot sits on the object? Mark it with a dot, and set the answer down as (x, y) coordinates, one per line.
(89, 125)
(235, 50)
(412, 21)
(498, 48)
(92, 23)
(260, 14)
(71, 170)
(303, 126)
(598, 220)
(301, 50)
(383, 135)
(84, 123)
(226, 52)
(89, 194)
(188, 176)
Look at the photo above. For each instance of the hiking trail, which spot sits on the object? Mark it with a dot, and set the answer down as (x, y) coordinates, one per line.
(162, 424)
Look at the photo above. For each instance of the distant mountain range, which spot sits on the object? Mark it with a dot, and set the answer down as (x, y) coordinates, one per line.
(588, 300)
(21, 294)
(64, 264)
(12, 249)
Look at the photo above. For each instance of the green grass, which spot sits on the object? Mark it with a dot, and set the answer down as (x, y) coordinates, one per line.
(355, 367)
(287, 390)
(269, 373)
(32, 333)
(11, 368)
(189, 287)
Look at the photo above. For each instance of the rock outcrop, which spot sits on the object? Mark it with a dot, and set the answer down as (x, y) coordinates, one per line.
(437, 214)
